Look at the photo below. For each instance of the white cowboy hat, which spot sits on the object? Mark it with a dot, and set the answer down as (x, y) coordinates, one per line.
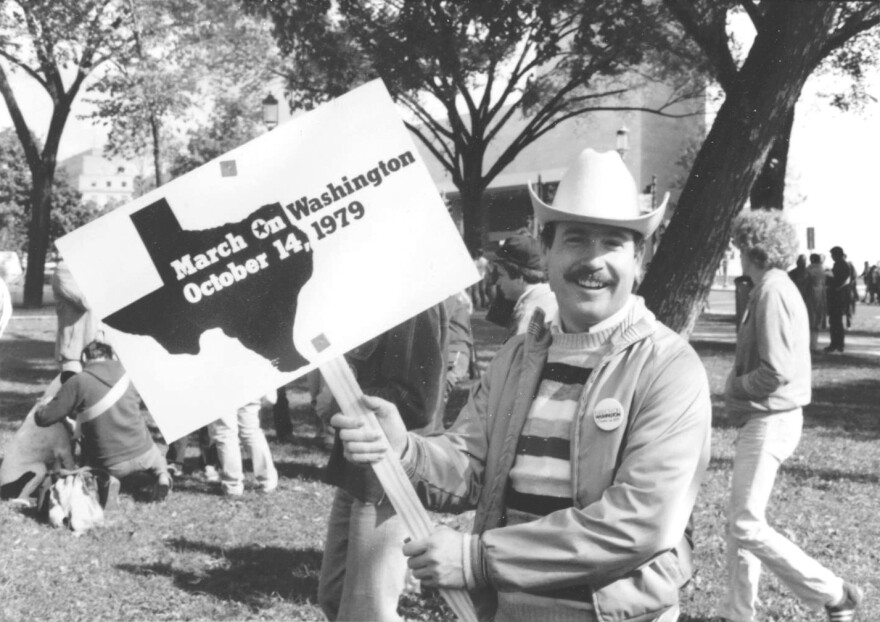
(597, 188)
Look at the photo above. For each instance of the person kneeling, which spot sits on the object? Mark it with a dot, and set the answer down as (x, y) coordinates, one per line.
(106, 407)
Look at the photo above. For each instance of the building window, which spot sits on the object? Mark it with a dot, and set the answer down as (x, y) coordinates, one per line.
(124, 184)
(94, 184)
(109, 184)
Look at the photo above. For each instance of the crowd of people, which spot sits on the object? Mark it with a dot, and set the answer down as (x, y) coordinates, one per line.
(830, 295)
(581, 448)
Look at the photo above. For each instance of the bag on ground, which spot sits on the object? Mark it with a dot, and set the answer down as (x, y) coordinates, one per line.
(70, 499)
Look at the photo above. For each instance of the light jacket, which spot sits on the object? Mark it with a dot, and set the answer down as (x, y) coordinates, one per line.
(772, 369)
(77, 325)
(633, 486)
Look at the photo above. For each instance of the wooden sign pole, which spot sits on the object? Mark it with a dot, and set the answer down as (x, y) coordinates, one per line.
(390, 472)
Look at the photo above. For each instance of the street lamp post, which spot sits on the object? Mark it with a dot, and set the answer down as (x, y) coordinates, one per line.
(622, 141)
(270, 111)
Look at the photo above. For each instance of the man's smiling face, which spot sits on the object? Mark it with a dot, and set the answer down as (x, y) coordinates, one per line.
(592, 270)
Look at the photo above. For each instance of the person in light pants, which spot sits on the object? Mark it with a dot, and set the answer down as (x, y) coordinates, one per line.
(766, 391)
(243, 425)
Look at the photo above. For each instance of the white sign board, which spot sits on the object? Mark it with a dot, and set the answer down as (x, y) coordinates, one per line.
(283, 253)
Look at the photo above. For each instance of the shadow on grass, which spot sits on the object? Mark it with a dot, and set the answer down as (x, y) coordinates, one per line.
(28, 360)
(252, 575)
(802, 472)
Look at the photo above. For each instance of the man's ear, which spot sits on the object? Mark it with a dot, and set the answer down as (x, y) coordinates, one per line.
(640, 246)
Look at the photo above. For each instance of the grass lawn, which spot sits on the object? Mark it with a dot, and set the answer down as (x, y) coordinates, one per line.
(202, 556)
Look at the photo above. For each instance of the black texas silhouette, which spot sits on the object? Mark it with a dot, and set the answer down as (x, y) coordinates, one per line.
(259, 309)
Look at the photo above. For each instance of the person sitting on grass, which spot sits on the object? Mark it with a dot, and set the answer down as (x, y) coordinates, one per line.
(106, 407)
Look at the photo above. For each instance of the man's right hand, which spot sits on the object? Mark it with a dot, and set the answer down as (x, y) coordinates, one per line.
(363, 444)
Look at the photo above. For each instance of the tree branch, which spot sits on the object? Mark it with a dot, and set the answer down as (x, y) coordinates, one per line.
(31, 153)
(447, 164)
(856, 24)
(753, 12)
(26, 68)
(709, 33)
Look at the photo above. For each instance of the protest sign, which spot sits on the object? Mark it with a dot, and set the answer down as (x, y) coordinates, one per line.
(282, 254)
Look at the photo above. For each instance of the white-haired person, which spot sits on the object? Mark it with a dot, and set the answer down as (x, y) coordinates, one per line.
(582, 447)
(766, 392)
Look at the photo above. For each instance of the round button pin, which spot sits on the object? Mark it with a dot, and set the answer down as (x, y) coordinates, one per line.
(608, 414)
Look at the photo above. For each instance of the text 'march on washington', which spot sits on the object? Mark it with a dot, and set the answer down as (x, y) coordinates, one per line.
(243, 277)
(230, 277)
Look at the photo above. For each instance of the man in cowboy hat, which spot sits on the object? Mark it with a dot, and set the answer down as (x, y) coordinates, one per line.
(583, 446)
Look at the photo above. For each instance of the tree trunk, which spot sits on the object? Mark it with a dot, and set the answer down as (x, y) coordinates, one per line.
(38, 239)
(474, 217)
(155, 128)
(752, 116)
(768, 191)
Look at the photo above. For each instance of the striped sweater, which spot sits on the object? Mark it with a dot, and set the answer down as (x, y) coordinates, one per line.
(540, 479)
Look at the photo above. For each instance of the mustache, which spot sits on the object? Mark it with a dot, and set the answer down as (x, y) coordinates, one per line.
(579, 273)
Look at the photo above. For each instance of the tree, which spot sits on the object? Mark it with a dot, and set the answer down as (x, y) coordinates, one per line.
(185, 54)
(58, 44)
(15, 206)
(234, 123)
(464, 70)
(792, 40)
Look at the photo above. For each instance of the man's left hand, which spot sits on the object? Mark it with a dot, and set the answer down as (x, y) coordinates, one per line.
(436, 561)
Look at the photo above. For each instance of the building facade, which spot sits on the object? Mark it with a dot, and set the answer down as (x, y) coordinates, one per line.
(100, 179)
(655, 154)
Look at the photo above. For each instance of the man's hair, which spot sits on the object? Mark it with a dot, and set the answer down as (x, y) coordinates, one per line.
(815, 258)
(528, 275)
(97, 350)
(766, 238)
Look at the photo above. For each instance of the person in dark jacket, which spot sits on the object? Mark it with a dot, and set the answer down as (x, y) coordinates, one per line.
(839, 298)
(363, 570)
(106, 407)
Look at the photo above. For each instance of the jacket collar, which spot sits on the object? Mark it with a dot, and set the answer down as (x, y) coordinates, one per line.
(638, 324)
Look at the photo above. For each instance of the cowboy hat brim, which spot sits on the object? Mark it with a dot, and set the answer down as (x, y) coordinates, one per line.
(645, 224)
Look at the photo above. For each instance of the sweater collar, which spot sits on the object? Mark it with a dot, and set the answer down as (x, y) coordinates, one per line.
(636, 323)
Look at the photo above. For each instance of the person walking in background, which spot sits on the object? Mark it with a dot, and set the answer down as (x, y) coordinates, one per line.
(765, 394)
(799, 276)
(867, 278)
(77, 325)
(871, 283)
(208, 459)
(242, 428)
(816, 298)
(853, 292)
(583, 445)
(839, 298)
(363, 570)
